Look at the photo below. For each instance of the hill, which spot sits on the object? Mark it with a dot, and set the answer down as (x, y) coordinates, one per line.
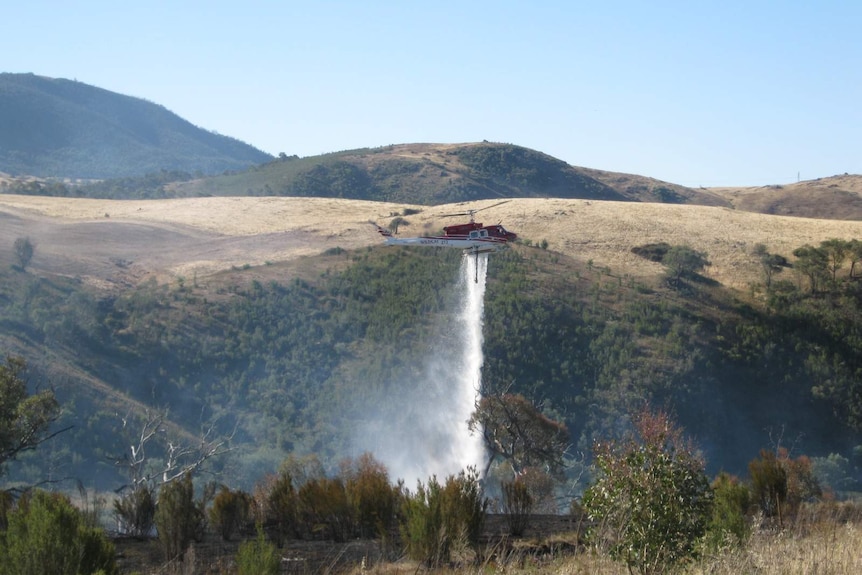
(67, 129)
(283, 318)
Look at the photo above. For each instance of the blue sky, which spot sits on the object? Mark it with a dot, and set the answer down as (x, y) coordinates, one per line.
(699, 93)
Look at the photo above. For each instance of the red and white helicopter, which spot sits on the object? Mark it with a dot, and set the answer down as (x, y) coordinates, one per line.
(473, 237)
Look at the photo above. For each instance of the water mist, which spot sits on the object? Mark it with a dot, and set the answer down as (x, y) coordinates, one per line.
(430, 436)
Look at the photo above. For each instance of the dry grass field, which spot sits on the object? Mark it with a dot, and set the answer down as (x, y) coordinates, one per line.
(126, 241)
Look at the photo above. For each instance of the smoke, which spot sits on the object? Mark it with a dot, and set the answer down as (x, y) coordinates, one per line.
(429, 436)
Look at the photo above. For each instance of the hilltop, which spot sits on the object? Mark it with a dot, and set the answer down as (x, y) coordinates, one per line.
(67, 129)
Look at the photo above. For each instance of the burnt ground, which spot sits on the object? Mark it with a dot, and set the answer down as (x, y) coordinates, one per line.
(547, 537)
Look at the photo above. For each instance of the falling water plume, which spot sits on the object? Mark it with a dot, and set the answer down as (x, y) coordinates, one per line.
(430, 435)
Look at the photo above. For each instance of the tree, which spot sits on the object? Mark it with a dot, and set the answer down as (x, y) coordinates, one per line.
(771, 263)
(813, 263)
(651, 501)
(683, 261)
(46, 534)
(24, 249)
(854, 254)
(515, 430)
(24, 419)
(836, 253)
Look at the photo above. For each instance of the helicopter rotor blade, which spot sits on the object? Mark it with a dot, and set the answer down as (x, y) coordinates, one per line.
(471, 213)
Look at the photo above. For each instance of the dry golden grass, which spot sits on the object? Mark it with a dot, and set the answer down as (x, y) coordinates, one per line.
(280, 229)
(832, 549)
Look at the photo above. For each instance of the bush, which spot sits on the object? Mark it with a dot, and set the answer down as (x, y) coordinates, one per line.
(517, 504)
(277, 505)
(24, 249)
(46, 534)
(373, 500)
(437, 519)
(651, 500)
(323, 509)
(729, 522)
(178, 518)
(230, 511)
(258, 557)
(781, 484)
(136, 511)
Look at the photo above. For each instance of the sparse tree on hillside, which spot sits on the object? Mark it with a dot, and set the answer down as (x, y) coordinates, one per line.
(836, 254)
(854, 255)
(24, 250)
(813, 263)
(683, 262)
(24, 419)
(770, 263)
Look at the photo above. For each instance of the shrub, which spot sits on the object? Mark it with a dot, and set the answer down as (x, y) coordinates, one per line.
(323, 509)
(372, 498)
(24, 249)
(178, 518)
(439, 518)
(280, 506)
(258, 557)
(781, 484)
(46, 534)
(517, 504)
(651, 500)
(728, 523)
(768, 483)
(136, 511)
(229, 512)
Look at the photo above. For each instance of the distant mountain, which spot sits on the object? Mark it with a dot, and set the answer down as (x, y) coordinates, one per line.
(62, 128)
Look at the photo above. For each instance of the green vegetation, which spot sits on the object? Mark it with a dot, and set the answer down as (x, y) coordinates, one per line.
(440, 519)
(24, 250)
(25, 419)
(258, 557)
(46, 534)
(651, 502)
(278, 364)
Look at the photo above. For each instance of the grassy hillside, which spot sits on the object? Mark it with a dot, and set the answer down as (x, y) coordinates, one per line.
(296, 328)
(67, 129)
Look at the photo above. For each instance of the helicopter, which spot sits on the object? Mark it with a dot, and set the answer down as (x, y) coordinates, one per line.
(471, 237)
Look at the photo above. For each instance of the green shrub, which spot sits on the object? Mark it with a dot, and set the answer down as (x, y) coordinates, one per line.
(768, 484)
(439, 518)
(729, 522)
(258, 557)
(178, 518)
(651, 501)
(46, 534)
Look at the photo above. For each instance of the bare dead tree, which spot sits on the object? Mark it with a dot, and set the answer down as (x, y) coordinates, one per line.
(152, 439)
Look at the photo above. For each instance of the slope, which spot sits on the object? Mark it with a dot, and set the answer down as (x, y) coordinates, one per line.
(67, 129)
